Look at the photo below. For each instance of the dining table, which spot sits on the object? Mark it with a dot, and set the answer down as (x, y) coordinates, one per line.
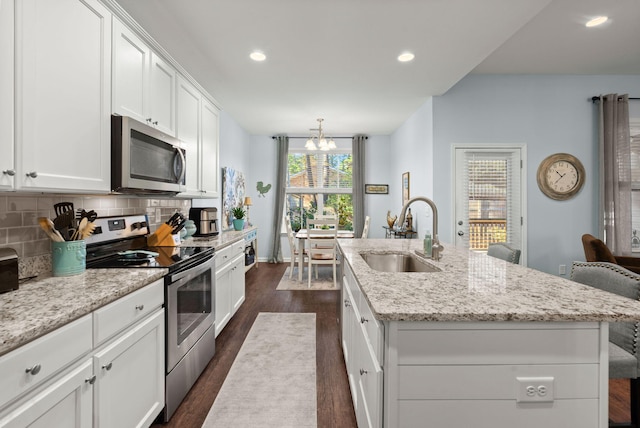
(302, 235)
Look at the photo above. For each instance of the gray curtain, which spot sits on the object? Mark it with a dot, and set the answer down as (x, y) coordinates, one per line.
(282, 142)
(358, 151)
(615, 173)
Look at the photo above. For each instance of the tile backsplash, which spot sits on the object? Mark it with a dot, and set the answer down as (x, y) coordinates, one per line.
(19, 214)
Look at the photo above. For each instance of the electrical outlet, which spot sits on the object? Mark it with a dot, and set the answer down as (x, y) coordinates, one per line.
(534, 389)
(158, 215)
(562, 269)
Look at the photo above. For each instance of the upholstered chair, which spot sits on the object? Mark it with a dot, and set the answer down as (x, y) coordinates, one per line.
(503, 251)
(623, 336)
(596, 251)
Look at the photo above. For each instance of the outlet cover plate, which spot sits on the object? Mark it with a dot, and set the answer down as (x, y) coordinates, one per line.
(535, 389)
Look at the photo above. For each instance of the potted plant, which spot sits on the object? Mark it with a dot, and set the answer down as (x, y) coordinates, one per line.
(238, 218)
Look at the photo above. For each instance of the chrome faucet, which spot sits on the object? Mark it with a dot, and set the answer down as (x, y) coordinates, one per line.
(436, 247)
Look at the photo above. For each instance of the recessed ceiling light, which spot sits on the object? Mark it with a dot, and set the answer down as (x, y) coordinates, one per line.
(257, 56)
(597, 21)
(405, 57)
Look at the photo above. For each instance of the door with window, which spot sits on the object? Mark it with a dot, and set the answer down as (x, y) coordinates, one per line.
(489, 185)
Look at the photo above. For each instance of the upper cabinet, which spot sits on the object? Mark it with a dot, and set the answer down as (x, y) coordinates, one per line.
(7, 160)
(197, 125)
(144, 84)
(63, 96)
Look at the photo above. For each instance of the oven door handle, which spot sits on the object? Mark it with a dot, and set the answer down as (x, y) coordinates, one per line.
(193, 272)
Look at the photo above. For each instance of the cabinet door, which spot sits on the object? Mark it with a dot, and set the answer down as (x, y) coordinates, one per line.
(188, 131)
(237, 283)
(223, 298)
(63, 72)
(67, 401)
(130, 376)
(131, 59)
(209, 158)
(162, 92)
(7, 161)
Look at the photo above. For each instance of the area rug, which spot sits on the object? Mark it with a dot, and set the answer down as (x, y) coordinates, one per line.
(272, 382)
(324, 281)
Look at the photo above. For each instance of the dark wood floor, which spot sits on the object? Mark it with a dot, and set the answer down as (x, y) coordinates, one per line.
(334, 398)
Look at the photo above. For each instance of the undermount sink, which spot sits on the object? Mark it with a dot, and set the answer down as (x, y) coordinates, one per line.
(397, 262)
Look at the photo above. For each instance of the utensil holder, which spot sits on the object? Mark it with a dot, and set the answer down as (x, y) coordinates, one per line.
(68, 258)
(163, 237)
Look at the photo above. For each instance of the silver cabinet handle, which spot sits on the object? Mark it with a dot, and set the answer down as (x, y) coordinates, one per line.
(108, 366)
(363, 372)
(32, 174)
(91, 380)
(155, 123)
(346, 303)
(460, 233)
(139, 307)
(149, 119)
(363, 320)
(34, 370)
(9, 172)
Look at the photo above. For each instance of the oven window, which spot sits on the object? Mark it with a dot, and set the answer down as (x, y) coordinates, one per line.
(193, 304)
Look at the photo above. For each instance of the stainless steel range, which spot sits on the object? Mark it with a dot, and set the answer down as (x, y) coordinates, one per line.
(121, 242)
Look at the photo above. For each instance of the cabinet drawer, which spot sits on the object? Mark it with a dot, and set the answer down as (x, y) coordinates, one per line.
(227, 254)
(116, 316)
(43, 357)
(498, 382)
(498, 346)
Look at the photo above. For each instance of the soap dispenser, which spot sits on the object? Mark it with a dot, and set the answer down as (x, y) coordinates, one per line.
(427, 244)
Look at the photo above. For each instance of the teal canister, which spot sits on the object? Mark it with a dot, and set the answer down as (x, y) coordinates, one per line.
(68, 257)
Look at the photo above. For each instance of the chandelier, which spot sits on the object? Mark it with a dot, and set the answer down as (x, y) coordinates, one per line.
(319, 141)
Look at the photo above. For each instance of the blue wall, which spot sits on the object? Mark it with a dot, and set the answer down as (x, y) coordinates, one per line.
(549, 114)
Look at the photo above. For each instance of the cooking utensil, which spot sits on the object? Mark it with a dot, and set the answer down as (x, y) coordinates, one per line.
(175, 220)
(62, 207)
(91, 215)
(81, 226)
(64, 220)
(179, 227)
(88, 230)
(47, 225)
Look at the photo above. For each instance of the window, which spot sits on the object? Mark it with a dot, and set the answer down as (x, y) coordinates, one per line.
(319, 183)
(635, 184)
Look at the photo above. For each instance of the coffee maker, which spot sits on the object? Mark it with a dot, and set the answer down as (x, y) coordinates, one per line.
(206, 220)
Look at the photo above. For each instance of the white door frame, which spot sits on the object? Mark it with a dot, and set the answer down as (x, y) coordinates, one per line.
(523, 183)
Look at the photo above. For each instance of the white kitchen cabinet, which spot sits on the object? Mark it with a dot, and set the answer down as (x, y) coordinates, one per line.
(63, 95)
(143, 83)
(229, 283)
(197, 127)
(129, 389)
(67, 401)
(363, 367)
(7, 162)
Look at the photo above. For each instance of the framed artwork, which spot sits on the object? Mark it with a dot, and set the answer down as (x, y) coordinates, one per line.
(405, 188)
(380, 189)
(232, 194)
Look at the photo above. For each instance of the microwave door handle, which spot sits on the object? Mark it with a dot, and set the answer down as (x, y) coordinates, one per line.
(184, 163)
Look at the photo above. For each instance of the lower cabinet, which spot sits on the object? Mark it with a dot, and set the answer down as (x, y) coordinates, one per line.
(69, 379)
(129, 389)
(67, 401)
(230, 291)
(363, 368)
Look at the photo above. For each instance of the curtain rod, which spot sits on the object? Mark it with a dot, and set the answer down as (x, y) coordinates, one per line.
(307, 137)
(597, 98)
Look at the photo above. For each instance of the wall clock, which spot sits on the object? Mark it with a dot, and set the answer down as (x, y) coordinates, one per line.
(560, 176)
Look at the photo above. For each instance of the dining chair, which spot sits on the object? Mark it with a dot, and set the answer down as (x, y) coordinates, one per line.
(365, 230)
(321, 246)
(623, 336)
(597, 251)
(297, 256)
(501, 250)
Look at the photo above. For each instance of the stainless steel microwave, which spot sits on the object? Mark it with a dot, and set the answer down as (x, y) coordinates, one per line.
(145, 160)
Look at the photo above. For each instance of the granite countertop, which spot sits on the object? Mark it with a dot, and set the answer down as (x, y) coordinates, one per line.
(41, 306)
(475, 287)
(219, 241)
(47, 303)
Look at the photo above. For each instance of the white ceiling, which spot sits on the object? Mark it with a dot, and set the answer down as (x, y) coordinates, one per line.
(336, 59)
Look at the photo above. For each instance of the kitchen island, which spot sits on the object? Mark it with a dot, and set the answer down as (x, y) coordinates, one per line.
(477, 342)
